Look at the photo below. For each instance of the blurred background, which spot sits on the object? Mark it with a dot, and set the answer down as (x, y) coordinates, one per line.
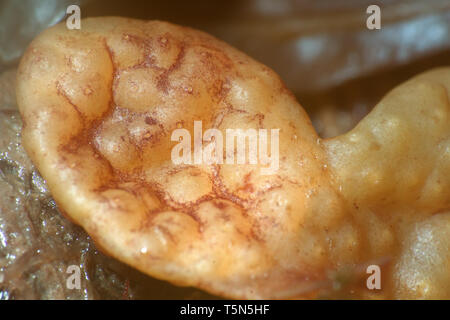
(322, 49)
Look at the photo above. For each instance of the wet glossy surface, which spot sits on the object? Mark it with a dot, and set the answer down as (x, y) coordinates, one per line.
(32, 233)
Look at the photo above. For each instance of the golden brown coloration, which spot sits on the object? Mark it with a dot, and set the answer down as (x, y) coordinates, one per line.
(99, 105)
